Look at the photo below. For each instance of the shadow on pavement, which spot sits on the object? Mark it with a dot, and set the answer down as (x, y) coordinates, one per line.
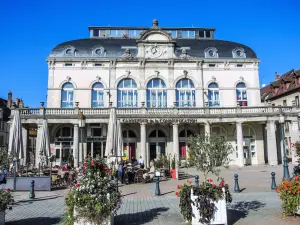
(139, 218)
(37, 221)
(241, 209)
(38, 199)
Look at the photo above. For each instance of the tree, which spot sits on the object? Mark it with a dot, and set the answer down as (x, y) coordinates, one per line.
(207, 153)
(4, 159)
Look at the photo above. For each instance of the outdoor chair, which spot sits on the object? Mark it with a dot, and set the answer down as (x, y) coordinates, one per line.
(138, 178)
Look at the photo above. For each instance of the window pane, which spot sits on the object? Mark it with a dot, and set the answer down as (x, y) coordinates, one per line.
(213, 85)
(96, 33)
(98, 85)
(185, 83)
(241, 85)
(127, 83)
(97, 132)
(68, 85)
(64, 96)
(155, 83)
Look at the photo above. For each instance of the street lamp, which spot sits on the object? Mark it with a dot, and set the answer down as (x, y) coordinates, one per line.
(81, 125)
(15, 172)
(286, 173)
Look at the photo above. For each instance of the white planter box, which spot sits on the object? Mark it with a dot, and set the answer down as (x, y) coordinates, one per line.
(220, 216)
(82, 221)
(2, 217)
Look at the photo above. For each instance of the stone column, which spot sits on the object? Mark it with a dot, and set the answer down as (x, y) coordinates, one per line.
(272, 146)
(143, 144)
(176, 146)
(294, 138)
(207, 128)
(37, 150)
(25, 146)
(240, 146)
(76, 145)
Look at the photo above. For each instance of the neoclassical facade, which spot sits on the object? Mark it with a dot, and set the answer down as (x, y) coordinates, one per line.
(166, 84)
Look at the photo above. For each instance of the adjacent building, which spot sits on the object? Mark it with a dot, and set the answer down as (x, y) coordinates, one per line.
(166, 84)
(284, 91)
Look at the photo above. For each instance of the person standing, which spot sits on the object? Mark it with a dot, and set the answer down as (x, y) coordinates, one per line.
(141, 162)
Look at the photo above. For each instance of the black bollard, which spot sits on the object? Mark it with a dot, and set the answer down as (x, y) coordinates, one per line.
(273, 185)
(196, 181)
(236, 183)
(31, 193)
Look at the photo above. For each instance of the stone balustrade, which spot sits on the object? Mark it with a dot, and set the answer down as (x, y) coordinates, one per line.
(160, 112)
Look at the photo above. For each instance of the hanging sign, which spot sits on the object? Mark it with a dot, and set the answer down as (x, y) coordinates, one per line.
(162, 120)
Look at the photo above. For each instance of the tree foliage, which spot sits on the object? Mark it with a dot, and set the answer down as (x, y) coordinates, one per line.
(4, 159)
(208, 153)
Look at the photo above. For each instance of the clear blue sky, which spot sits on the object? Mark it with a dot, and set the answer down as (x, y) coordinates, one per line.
(31, 28)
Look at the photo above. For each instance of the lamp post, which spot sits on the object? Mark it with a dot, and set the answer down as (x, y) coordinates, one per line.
(81, 125)
(15, 172)
(157, 189)
(286, 173)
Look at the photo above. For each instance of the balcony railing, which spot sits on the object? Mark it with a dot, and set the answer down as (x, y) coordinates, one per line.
(152, 112)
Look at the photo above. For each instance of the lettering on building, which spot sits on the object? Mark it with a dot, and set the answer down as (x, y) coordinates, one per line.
(155, 121)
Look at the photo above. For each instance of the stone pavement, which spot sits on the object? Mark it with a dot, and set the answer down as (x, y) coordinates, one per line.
(256, 204)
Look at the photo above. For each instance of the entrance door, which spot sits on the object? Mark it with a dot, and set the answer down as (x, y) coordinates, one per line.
(247, 152)
(66, 153)
(131, 150)
(152, 151)
(161, 149)
(182, 149)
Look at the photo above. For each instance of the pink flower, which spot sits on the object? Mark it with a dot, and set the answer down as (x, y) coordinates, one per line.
(213, 185)
(8, 189)
(93, 163)
(77, 185)
(210, 180)
(99, 163)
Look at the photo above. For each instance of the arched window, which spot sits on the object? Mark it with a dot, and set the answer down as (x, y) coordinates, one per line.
(127, 93)
(218, 130)
(128, 134)
(67, 95)
(185, 93)
(156, 93)
(241, 94)
(213, 94)
(97, 95)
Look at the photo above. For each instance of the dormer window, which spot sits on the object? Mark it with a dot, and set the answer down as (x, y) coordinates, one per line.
(238, 53)
(211, 53)
(69, 51)
(99, 51)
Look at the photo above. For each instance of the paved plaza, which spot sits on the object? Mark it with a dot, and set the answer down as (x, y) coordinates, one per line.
(256, 204)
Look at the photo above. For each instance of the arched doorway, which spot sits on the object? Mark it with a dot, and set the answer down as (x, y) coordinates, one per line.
(64, 145)
(183, 143)
(157, 144)
(129, 141)
(249, 145)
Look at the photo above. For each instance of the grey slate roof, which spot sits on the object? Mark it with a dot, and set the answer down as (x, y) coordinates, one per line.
(85, 47)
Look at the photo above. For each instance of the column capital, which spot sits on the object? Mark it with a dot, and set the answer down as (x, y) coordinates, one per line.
(143, 123)
(175, 123)
(76, 125)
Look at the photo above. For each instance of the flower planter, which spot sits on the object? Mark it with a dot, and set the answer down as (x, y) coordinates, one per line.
(173, 173)
(2, 217)
(220, 215)
(82, 221)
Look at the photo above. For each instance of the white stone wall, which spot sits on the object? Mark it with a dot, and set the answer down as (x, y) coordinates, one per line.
(83, 79)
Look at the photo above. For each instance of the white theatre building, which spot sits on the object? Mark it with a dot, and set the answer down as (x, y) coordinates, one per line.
(166, 84)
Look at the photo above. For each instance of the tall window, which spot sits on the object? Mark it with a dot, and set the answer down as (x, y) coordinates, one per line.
(156, 93)
(67, 95)
(98, 95)
(213, 94)
(127, 93)
(185, 93)
(241, 94)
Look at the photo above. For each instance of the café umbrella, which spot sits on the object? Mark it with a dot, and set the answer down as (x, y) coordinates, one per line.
(15, 144)
(44, 142)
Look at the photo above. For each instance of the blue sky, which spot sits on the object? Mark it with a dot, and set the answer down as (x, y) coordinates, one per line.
(31, 28)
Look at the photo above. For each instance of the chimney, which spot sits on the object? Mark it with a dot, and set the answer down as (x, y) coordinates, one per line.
(9, 99)
(277, 76)
(21, 104)
(17, 102)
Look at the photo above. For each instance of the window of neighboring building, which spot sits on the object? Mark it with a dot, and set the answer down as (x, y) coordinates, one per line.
(297, 101)
(284, 102)
(188, 34)
(96, 132)
(241, 94)
(67, 95)
(97, 95)
(156, 93)
(213, 94)
(185, 93)
(96, 33)
(127, 93)
(201, 34)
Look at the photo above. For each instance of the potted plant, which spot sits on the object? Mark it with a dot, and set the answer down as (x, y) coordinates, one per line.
(6, 201)
(94, 199)
(207, 153)
(289, 193)
(173, 170)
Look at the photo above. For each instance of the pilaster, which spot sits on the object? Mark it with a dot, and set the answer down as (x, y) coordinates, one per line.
(176, 146)
(76, 146)
(272, 146)
(25, 144)
(240, 147)
(294, 139)
(143, 144)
